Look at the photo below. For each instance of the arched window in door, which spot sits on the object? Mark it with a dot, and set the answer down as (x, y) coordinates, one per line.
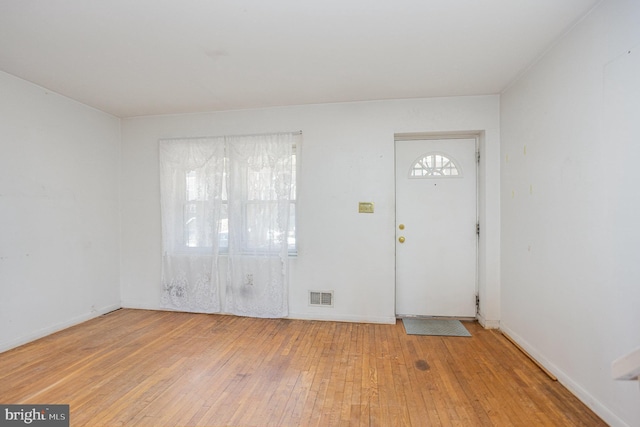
(434, 165)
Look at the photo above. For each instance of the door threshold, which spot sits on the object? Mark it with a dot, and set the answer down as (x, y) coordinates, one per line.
(413, 316)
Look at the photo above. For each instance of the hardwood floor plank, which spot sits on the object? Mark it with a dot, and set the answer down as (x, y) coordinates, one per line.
(148, 368)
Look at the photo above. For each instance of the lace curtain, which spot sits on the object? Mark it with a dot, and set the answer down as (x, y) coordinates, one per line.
(227, 221)
(260, 192)
(191, 199)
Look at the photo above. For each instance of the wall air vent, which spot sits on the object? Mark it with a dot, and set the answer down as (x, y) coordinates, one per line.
(321, 298)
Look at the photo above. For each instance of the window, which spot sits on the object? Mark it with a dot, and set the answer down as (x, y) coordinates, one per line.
(434, 165)
(262, 201)
(233, 193)
(199, 226)
(259, 200)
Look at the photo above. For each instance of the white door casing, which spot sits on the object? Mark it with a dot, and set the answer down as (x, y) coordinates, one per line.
(436, 217)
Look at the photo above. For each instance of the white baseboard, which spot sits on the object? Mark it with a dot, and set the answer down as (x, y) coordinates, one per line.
(143, 306)
(627, 367)
(595, 405)
(343, 318)
(41, 333)
(488, 324)
(292, 315)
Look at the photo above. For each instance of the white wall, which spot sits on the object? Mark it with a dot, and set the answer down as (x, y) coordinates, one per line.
(347, 156)
(59, 212)
(570, 138)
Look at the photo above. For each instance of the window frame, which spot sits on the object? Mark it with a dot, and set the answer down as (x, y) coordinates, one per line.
(182, 245)
(435, 154)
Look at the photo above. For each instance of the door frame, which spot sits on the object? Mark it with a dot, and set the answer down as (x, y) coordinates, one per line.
(476, 136)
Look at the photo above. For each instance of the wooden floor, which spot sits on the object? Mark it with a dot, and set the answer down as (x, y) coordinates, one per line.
(146, 368)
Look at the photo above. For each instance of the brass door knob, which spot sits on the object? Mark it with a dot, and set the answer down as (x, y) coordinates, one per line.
(401, 239)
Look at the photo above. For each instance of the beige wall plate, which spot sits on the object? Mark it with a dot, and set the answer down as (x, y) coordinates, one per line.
(365, 207)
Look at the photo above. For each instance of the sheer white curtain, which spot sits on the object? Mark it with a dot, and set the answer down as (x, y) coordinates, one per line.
(261, 170)
(192, 192)
(227, 205)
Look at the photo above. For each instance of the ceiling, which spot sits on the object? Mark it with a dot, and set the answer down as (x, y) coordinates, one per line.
(144, 57)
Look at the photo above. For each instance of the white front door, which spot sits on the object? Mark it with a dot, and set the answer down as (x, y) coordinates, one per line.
(436, 240)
